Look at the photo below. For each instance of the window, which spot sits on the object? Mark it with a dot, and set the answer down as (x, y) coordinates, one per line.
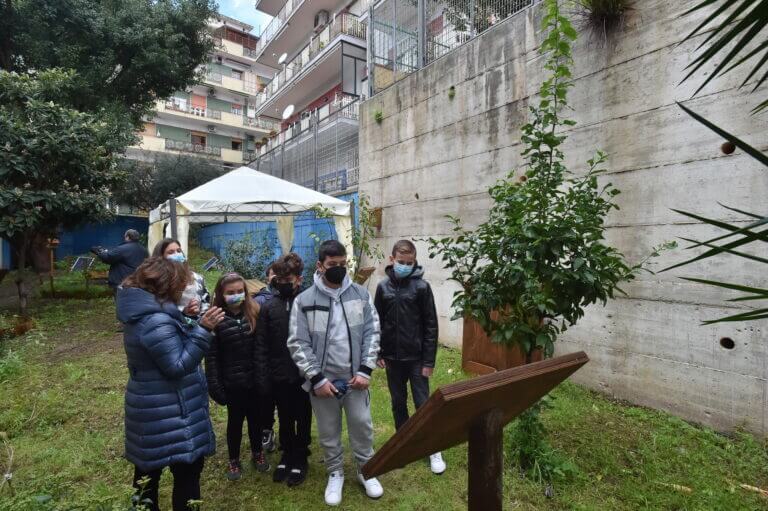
(237, 109)
(198, 139)
(237, 145)
(237, 75)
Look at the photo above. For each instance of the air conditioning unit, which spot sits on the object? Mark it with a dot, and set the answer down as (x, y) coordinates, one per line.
(211, 128)
(321, 20)
(211, 92)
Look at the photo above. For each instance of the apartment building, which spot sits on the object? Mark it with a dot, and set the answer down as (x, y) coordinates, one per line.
(215, 119)
(318, 48)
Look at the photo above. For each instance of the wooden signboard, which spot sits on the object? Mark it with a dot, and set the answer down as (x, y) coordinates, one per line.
(476, 411)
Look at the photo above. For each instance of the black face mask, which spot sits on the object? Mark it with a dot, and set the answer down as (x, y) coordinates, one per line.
(335, 275)
(285, 290)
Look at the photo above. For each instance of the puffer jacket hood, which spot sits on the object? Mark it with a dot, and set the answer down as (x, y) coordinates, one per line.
(133, 304)
(330, 292)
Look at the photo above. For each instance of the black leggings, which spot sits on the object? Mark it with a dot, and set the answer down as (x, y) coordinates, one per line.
(186, 484)
(241, 406)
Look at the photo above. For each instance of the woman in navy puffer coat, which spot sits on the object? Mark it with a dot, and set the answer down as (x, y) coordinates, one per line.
(166, 400)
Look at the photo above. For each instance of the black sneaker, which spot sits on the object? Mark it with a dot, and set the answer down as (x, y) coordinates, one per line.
(260, 461)
(281, 472)
(268, 440)
(234, 470)
(298, 474)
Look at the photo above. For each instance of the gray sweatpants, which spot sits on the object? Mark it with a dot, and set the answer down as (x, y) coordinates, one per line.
(356, 405)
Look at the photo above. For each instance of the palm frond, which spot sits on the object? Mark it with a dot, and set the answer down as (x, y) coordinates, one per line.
(747, 19)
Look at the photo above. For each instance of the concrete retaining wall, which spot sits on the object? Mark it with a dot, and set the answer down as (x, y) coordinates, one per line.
(432, 156)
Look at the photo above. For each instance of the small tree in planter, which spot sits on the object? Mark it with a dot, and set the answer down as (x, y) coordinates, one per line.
(363, 235)
(528, 272)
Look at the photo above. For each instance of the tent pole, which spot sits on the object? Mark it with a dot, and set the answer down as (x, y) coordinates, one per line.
(314, 120)
(174, 224)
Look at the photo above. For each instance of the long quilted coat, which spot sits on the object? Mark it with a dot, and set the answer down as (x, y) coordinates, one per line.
(166, 400)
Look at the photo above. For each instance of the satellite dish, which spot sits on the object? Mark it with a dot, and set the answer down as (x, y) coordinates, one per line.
(288, 112)
(282, 58)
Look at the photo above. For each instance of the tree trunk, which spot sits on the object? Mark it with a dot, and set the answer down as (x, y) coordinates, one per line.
(6, 42)
(21, 284)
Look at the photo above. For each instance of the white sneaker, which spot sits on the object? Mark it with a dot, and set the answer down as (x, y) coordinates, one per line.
(372, 486)
(333, 490)
(436, 463)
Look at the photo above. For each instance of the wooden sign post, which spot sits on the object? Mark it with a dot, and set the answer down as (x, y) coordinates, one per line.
(474, 411)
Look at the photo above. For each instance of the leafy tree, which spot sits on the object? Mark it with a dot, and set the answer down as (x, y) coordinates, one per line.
(127, 53)
(529, 271)
(249, 256)
(145, 185)
(57, 164)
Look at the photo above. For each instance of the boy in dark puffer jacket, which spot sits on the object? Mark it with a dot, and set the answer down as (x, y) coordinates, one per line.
(237, 371)
(293, 407)
(408, 318)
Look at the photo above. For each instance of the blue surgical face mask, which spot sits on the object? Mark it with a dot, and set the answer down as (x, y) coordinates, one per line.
(177, 257)
(402, 270)
(235, 299)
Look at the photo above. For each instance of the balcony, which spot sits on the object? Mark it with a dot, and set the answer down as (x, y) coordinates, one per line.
(174, 108)
(236, 50)
(300, 15)
(271, 7)
(319, 152)
(319, 63)
(247, 86)
(164, 145)
(261, 124)
(188, 147)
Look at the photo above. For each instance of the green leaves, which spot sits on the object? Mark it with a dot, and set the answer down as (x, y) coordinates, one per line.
(530, 270)
(729, 38)
(736, 237)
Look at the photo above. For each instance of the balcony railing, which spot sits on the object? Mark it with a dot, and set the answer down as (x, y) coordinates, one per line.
(344, 23)
(188, 147)
(193, 110)
(318, 152)
(260, 123)
(274, 26)
(344, 106)
(247, 52)
(213, 77)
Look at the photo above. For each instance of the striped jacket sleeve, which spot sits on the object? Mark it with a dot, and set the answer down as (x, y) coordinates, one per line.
(369, 352)
(300, 346)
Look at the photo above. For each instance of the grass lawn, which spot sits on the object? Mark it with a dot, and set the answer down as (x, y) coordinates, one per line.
(61, 398)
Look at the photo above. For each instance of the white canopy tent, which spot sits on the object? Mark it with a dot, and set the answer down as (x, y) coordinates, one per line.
(246, 195)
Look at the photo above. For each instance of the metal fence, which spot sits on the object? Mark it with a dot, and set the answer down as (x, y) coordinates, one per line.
(406, 35)
(321, 153)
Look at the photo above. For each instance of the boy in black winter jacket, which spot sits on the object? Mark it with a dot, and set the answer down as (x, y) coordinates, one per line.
(408, 318)
(294, 410)
(237, 372)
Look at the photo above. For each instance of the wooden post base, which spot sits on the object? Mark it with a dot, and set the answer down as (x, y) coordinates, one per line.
(486, 462)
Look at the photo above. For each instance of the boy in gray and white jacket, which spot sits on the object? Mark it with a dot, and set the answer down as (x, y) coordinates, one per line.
(334, 341)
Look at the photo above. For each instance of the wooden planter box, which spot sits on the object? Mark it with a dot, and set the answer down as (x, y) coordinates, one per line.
(479, 355)
(363, 274)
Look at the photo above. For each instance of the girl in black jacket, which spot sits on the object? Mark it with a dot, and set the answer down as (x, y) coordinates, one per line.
(237, 371)
(294, 410)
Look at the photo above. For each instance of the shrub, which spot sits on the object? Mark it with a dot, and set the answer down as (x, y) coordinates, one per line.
(10, 365)
(602, 16)
(249, 256)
